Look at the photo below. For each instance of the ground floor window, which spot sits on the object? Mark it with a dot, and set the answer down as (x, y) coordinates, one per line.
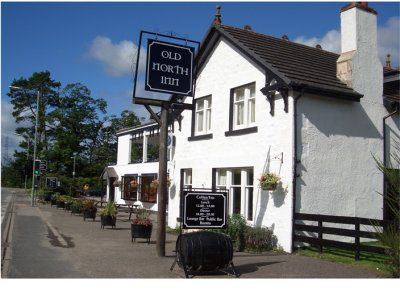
(129, 184)
(239, 182)
(148, 190)
(187, 179)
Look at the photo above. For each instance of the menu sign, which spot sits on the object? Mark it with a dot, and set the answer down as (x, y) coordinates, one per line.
(205, 210)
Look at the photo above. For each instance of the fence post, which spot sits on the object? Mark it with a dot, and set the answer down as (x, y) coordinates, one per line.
(357, 239)
(320, 235)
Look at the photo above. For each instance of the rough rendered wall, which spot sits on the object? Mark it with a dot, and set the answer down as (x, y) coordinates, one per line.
(226, 69)
(336, 141)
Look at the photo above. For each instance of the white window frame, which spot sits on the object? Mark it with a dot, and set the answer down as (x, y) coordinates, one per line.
(248, 102)
(206, 111)
(187, 178)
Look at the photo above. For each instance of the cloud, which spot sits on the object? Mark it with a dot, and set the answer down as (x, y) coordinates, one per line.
(388, 41)
(330, 41)
(9, 140)
(117, 59)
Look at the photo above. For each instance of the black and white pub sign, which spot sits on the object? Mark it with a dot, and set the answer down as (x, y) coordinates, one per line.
(204, 210)
(169, 68)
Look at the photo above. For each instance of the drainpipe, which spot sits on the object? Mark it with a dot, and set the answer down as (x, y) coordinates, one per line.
(384, 157)
(295, 162)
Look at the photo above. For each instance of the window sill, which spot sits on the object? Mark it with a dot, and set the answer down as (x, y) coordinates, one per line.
(200, 137)
(241, 131)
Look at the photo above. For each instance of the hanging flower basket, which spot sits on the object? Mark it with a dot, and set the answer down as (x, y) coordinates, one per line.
(117, 183)
(154, 183)
(269, 181)
(134, 184)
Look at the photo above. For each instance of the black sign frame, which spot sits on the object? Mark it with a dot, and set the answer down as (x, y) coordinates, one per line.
(152, 75)
(224, 193)
(50, 180)
(157, 102)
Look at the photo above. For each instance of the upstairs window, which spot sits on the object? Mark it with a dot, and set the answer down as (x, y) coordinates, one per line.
(244, 100)
(203, 115)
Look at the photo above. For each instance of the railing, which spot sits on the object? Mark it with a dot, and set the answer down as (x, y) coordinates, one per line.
(322, 229)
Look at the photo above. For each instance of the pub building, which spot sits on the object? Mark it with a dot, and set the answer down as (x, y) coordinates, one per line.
(266, 104)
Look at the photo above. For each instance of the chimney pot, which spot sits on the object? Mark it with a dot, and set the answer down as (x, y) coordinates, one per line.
(285, 37)
(247, 27)
(318, 46)
(388, 64)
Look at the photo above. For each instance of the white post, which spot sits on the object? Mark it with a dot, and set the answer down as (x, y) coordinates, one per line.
(35, 149)
(145, 144)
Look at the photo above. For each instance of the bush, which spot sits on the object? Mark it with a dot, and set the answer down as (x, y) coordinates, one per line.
(235, 229)
(259, 239)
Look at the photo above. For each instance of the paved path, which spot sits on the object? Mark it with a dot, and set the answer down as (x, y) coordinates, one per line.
(51, 243)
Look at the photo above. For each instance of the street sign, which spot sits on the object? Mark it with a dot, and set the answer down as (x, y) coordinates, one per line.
(204, 210)
(51, 182)
(169, 68)
(43, 165)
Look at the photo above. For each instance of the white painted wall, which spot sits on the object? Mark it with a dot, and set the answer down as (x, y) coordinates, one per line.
(226, 68)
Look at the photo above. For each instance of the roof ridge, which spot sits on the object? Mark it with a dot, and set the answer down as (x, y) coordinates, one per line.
(279, 39)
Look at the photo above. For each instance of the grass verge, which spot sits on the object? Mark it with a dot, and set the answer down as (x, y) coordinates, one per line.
(372, 261)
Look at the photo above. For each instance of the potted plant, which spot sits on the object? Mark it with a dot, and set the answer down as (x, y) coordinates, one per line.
(89, 209)
(68, 203)
(269, 181)
(76, 206)
(54, 199)
(141, 225)
(61, 201)
(108, 215)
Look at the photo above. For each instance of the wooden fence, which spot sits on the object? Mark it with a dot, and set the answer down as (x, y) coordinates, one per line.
(322, 229)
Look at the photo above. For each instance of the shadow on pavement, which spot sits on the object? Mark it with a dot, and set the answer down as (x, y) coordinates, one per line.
(253, 267)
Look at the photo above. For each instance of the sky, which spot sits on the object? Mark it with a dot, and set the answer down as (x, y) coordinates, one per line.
(94, 43)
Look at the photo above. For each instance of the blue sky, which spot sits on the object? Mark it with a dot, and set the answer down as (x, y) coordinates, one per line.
(92, 42)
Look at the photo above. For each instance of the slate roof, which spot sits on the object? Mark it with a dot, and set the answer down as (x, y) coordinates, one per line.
(297, 64)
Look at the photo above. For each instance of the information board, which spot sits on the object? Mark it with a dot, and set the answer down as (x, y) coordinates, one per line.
(169, 68)
(204, 210)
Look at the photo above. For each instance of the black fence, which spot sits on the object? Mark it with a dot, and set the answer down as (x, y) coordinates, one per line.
(322, 229)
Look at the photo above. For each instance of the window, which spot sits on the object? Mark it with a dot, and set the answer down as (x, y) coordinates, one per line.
(130, 186)
(203, 115)
(187, 179)
(239, 182)
(244, 111)
(136, 151)
(148, 191)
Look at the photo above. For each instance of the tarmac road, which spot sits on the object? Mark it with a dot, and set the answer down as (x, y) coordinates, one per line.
(47, 242)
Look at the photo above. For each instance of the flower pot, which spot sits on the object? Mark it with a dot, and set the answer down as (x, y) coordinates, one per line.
(47, 196)
(89, 214)
(141, 231)
(108, 221)
(269, 187)
(60, 204)
(53, 202)
(67, 206)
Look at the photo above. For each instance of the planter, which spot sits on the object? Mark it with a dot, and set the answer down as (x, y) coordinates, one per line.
(67, 206)
(75, 210)
(108, 221)
(269, 187)
(47, 196)
(89, 215)
(141, 231)
(60, 204)
(53, 202)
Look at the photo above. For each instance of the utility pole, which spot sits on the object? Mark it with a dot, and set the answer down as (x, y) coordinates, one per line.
(162, 182)
(27, 160)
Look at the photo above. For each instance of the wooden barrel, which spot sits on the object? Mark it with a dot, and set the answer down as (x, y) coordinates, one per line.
(204, 250)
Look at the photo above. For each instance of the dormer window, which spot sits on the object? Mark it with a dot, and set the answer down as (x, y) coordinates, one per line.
(203, 115)
(244, 113)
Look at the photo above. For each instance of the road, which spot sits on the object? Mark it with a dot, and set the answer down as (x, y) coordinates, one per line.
(47, 242)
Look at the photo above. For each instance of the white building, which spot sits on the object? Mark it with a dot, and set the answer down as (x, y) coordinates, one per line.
(266, 104)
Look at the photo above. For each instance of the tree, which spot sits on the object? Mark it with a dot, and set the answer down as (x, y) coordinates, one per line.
(389, 235)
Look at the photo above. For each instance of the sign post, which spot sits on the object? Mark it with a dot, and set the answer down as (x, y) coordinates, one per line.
(169, 70)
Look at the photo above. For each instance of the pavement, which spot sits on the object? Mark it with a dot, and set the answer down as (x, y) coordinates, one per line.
(46, 242)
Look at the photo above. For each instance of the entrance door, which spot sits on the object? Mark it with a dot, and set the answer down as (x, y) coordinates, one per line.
(111, 193)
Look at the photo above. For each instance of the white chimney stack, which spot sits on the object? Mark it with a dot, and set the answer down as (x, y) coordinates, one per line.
(359, 62)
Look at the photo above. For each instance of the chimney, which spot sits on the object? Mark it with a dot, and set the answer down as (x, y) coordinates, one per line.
(217, 19)
(247, 27)
(359, 45)
(285, 37)
(388, 64)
